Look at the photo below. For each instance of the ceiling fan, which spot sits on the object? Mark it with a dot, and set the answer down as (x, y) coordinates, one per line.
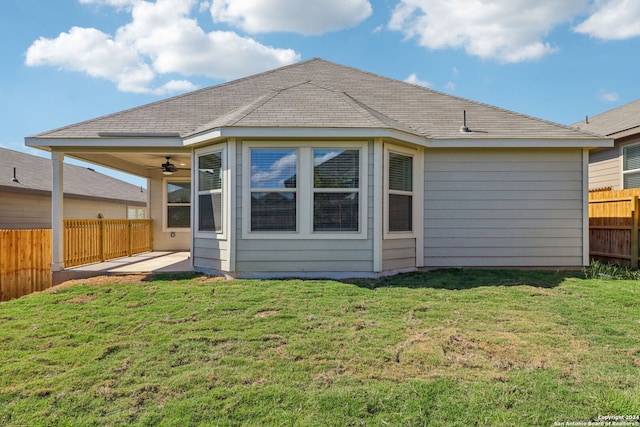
(169, 168)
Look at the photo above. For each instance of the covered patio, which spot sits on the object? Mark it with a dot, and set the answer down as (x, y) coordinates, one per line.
(144, 263)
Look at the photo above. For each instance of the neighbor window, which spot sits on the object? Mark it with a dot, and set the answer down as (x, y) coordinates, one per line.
(400, 192)
(178, 203)
(210, 192)
(273, 190)
(631, 166)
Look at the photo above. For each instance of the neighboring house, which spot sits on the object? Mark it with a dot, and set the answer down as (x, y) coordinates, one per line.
(25, 193)
(318, 169)
(617, 167)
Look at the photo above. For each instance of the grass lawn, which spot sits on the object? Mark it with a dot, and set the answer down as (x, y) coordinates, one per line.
(446, 348)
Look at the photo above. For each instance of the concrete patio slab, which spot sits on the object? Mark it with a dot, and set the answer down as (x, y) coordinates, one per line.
(145, 263)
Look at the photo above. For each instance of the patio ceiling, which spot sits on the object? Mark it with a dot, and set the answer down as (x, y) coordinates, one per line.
(145, 163)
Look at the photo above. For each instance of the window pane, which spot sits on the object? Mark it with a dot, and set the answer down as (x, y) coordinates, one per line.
(400, 213)
(178, 216)
(210, 172)
(273, 211)
(273, 168)
(210, 210)
(336, 168)
(631, 157)
(335, 212)
(178, 192)
(400, 172)
(632, 180)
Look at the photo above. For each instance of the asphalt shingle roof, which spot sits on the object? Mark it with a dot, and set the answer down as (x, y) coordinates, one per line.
(34, 174)
(318, 93)
(614, 121)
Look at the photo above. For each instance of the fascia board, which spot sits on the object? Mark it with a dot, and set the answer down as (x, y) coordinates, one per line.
(520, 143)
(103, 142)
(297, 132)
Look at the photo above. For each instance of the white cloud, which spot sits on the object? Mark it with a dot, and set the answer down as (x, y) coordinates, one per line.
(304, 17)
(413, 79)
(608, 96)
(161, 39)
(612, 20)
(506, 30)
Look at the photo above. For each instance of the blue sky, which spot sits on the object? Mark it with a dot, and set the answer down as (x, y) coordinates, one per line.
(66, 61)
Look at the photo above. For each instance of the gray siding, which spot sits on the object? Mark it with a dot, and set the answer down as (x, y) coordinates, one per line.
(34, 211)
(604, 168)
(210, 253)
(304, 255)
(398, 254)
(511, 208)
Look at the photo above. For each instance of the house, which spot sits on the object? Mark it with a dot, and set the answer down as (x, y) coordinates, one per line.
(25, 193)
(318, 169)
(617, 167)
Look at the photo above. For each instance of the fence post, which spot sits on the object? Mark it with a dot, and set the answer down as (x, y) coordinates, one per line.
(102, 240)
(634, 232)
(130, 235)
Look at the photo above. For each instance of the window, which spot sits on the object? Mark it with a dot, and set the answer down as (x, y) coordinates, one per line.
(313, 190)
(210, 192)
(136, 212)
(631, 166)
(273, 190)
(178, 202)
(336, 184)
(399, 192)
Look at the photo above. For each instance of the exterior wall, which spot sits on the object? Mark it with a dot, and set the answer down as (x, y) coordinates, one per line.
(162, 239)
(604, 168)
(24, 211)
(34, 211)
(503, 208)
(304, 255)
(398, 254)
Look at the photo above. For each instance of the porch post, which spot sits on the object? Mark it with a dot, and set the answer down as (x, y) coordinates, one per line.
(57, 212)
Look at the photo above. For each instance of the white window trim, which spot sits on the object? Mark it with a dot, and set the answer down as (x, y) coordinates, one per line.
(305, 190)
(165, 227)
(622, 171)
(416, 193)
(226, 193)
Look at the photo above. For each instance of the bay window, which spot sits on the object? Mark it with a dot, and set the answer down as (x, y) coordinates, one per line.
(399, 192)
(303, 190)
(210, 192)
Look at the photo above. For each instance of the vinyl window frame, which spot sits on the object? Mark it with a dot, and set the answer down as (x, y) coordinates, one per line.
(165, 204)
(415, 193)
(224, 190)
(305, 190)
(629, 172)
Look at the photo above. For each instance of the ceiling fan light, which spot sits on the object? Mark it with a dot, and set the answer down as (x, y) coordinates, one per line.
(167, 172)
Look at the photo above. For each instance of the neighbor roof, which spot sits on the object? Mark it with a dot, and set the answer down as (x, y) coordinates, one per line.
(618, 122)
(318, 94)
(34, 175)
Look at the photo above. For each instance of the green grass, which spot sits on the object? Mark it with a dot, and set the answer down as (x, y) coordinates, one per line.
(446, 348)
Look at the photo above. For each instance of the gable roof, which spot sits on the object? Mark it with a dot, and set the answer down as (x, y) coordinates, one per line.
(34, 176)
(321, 95)
(618, 122)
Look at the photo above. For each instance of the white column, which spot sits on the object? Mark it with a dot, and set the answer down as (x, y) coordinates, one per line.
(57, 211)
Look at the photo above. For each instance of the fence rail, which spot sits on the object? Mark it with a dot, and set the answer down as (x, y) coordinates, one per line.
(25, 255)
(96, 240)
(614, 222)
(25, 262)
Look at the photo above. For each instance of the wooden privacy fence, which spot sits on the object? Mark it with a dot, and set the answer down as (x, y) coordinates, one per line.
(96, 240)
(614, 221)
(25, 262)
